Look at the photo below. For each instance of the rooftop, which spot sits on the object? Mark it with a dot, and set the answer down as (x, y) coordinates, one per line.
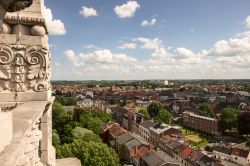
(153, 159)
(147, 124)
(240, 152)
(198, 116)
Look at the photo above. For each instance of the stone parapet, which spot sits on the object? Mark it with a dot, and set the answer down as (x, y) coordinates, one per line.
(30, 133)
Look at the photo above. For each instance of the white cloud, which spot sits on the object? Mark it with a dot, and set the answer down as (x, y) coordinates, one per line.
(102, 56)
(160, 53)
(127, 10)
(231, 47)
(101, 63)
(128, 46)
(71, 56)
(88, 12)
(149, 43)
(148, 22)
(183, 53)
(55, 27)
(226, 59)
(247, 22)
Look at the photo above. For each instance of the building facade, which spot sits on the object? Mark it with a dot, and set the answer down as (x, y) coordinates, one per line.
(201, 123)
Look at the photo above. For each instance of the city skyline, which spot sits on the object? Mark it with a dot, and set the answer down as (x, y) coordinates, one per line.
(135, 40)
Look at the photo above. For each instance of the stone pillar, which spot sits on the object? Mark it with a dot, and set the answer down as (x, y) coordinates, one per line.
(25, 62)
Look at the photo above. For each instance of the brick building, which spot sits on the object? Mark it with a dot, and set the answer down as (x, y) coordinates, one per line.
(201, 123)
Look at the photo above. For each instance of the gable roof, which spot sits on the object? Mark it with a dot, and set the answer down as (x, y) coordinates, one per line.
(152, 159)
(133, 143)
(124, 138)
(240, 152)
(116, 130)
(196, 156)
(147, 124)
(179, 148)
(186, 152)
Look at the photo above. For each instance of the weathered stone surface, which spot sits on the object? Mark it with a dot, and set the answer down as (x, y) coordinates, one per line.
(38, 30)
(6, 129)
(6, 29)
(68, 162)
(26, 117)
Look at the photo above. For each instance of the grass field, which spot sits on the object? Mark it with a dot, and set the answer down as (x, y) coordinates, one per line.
(194, 138)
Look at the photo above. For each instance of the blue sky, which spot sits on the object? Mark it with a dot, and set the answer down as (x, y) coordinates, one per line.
(163, 39)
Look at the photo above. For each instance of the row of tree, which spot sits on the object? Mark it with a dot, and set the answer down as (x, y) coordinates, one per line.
(78, 134)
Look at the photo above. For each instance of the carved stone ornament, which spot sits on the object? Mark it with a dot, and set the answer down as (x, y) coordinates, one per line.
(15, 5)
(24, 68)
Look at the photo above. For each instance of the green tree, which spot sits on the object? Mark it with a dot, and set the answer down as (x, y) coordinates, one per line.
(90, 153)
(103, 116)
(248, 143)
(85, 135)
(164, 116)
(55, 138)
(145, 113)
(91, 137)
(205, 110)
(244, 123)
(154, 108)
(229, 119)
(95, 124)
(61, 117)
(79, 133)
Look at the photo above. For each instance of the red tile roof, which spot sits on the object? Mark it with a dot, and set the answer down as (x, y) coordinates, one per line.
(116, 131)
(186, 152)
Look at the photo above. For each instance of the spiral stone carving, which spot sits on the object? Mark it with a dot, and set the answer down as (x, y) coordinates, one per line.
(6, 55)
(30, 68)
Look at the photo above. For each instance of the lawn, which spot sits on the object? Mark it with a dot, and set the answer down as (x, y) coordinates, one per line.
(194, 138)
(186, 132)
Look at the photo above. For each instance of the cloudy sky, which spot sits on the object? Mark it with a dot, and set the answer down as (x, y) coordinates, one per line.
(163, 39)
